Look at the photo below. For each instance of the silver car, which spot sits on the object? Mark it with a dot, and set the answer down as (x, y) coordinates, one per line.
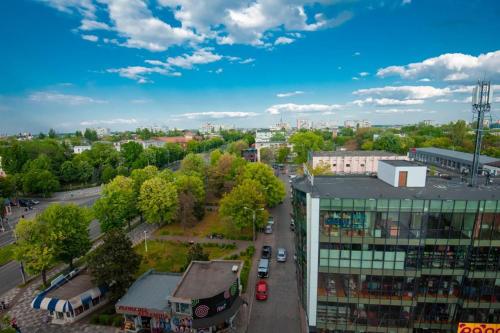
(281, 255)
(269, 229)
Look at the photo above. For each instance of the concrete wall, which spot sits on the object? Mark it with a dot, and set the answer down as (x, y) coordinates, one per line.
(312, 258)
(352, 164)
(390, 174)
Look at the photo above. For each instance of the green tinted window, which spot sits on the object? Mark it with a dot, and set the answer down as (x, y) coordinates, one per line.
(336, 204)
(347, 204)
(324, 203)
(435, 206)
(394, 205)
(459, 206)
(447, 206)
(490, 206)
(382, 204)
(418, 205)
(359, 204)
(472, 206)
(371, 204)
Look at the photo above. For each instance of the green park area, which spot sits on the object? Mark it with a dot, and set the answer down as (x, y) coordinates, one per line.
(171, 256)
(212, 223)
(6, 254)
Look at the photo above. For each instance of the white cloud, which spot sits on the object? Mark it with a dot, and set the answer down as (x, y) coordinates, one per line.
(455, 100)
(362, 74)
(302, 108)
(391, 111)
(289, 94)
(405, 2)
(85, 7)
(218, 115)
(328, 113)
(425, 79)
(117, 121)
(386, 102)
(355, 78)
(217, 71)
(140, 101)
(247, 61)
(139, 73)
(408, 92)
(55, 97)
(283, 40)
(201, 56)
(355, 54)
(449, 67)
(91, 38)
(88, 25)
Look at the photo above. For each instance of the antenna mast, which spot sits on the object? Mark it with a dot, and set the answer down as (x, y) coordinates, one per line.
(481, 98)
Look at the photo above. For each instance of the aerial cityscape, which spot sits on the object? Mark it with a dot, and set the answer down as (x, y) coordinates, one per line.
(323, 166)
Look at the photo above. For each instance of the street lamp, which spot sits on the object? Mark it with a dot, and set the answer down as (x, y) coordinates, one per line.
(146, 240)
(253, 218)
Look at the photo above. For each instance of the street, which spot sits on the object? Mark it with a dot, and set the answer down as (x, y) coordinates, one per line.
(280, 312)
(10, 274)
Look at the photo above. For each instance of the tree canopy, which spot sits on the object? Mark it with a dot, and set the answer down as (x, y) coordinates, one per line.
(158, 200)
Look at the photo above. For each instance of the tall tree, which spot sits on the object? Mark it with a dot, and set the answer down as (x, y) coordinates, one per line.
(117, 204)
(114, 263)
(131, 152)
(90, 135)
(139, 176)
(266, 155)
(247, 194)
(158, 200)
(458, 132)
(237, 147)
(68, 231)
(282, 154)
(272, 186)
(38, 181)
(303, 142)
(69, 172)
(52, 133)
(193, 163)
(196, 253)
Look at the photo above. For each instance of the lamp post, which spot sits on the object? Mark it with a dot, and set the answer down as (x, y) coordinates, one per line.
(253, 218)
(146, 240)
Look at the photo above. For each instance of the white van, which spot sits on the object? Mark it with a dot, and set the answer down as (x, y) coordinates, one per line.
(263, 270)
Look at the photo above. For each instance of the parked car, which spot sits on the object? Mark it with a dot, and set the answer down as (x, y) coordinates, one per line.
(292, 226)
(34, 202)
(266, 252)
(24, 203)
(261, 290)
(263, 269)
(281, 255)
(269, 229)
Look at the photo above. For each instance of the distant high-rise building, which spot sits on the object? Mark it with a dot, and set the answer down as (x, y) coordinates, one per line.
(102, 131)
(324, 124)
(304, 124)
(350, 123)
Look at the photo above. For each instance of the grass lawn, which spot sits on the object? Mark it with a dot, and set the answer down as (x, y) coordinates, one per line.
(211, 223)
(167, 256)
(6, 254)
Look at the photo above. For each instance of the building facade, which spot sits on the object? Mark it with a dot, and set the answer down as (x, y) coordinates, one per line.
(372, 257)
(350, 162)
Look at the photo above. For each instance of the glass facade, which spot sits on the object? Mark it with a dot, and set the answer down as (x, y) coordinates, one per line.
(407, 265)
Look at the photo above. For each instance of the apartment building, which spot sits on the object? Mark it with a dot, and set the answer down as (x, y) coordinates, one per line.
(351, 162)
(399, 253)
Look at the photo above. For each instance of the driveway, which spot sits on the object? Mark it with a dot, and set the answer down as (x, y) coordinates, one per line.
(280, 313)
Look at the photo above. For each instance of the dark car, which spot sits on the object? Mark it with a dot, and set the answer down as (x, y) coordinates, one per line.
(266, 252)
(24, 203)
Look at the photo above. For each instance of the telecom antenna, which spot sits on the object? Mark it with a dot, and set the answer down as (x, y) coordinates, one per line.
(481, 107)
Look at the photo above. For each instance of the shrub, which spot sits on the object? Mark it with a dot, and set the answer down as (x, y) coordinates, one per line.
(94, 320)
(117, 321)
(104, 319)
(250, 250)
(245, 271)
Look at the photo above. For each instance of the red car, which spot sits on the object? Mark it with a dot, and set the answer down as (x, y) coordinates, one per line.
(261, 290)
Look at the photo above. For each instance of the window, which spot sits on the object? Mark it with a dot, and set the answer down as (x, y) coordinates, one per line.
(182, 308)
(362, 165)
(347, 165)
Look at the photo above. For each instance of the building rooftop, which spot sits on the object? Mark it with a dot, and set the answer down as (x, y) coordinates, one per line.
(354, 153)
(401, 163)
(457, 155)
(151, 290)
(72, 288)
(365, 187)
(204, 279)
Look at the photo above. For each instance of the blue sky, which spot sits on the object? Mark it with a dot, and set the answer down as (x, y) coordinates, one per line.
(122, 64)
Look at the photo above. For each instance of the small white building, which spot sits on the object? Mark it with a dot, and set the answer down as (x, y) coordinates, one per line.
(402, 173)
(80, 149)
(263, 136)
(351, 161)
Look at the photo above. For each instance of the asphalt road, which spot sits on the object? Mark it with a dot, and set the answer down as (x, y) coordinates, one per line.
(280, 313)
(10, 274)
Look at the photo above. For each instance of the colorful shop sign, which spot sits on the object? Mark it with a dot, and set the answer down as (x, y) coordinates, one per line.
(478, 328)
(208, 307)
(143, 312)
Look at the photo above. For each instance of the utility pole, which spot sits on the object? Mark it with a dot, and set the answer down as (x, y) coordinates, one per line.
(146, 240)
(481, 98)
(253, 218)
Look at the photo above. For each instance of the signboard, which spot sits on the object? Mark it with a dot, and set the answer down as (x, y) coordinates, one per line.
(143, 312)
(478, 328)
(208, 307)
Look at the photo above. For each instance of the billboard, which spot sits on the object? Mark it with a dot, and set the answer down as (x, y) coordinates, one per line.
(478, 328)
(208, 307)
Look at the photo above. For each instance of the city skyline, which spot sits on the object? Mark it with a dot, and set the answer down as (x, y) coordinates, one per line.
(180, 63)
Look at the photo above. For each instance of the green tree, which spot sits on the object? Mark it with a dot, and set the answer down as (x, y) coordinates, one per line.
(158, 200)
(41, 182)
(193, 163)
(196, 253)
(78, 134)
(458, 132)
(222, 176)
(8, 186)
(278, 137)
(303, 142)
(34, 247)
(52, 133)
(90, 135)
(247, 194)
(108, 173)
(273, 188)
(117, 204)
(68, 231)
(214, 156)
(282, 154)
(69, 172)
(139, 176)
(389, 142)
(237, 147)
(266, 155)
(114, 263)
(131, 152)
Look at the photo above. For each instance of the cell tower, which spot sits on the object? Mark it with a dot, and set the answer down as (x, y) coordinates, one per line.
(482, 95)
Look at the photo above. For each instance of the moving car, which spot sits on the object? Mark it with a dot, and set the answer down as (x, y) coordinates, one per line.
(269, 229)
(263, 269)
(281, 255)
(266, 252)
(261, 290)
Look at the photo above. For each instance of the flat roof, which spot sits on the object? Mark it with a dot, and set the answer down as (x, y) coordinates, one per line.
(366, 187)
(483, 159)
(72, 288)
(205, 279)
(151, 290)
(354, 153)
(402, 163)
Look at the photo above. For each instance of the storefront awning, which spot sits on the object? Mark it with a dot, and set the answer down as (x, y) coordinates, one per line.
(220, 317)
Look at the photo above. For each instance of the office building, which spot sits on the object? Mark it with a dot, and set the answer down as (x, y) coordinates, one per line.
(304, 124)
(399, 253)
(452, 160)
(350, 162)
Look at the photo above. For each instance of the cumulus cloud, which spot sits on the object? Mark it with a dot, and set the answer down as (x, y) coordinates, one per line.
(386, 102)
(289, 94)
(247, 61)
(187, 61)
(117, 121)
(408, 92)
(91, 38)
(283, 40)
(302, 108)
(218, 115)
(56, 97)
(88, 25)
(391, 111)
(362, 74)
(449, 67)
(139, 73)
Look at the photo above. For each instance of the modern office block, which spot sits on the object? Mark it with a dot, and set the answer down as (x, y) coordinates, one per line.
(373, 257)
